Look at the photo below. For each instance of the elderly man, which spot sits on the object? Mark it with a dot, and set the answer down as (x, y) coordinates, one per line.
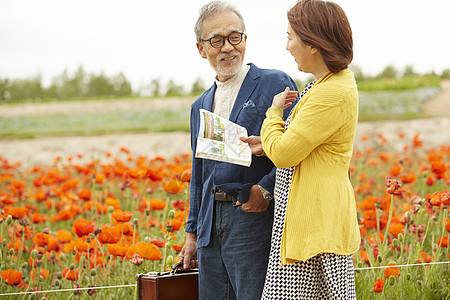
(231, 212)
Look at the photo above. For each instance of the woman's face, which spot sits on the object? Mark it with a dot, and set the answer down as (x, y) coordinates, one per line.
(300, 51)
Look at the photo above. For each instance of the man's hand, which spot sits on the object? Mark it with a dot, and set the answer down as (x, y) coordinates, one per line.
(254, 143)
(284, 99)
(256, 202)
(188, 253)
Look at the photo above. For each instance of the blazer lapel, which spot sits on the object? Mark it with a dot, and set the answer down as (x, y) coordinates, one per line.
(209, 98)
(249, 84)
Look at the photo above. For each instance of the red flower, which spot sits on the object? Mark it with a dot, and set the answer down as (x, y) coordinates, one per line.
(145, 250)
(83, 227)
(443, 241)
(11, 277)
(70, 274)
(173, 186)
(391, 271)
(378, 285)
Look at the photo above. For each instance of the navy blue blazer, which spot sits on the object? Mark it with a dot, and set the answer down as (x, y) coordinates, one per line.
(255, 96)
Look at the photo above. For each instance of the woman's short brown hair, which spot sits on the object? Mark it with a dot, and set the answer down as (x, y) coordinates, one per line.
(324, 26)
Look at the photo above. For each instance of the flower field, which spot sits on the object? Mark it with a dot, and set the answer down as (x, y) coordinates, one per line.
(83, 226)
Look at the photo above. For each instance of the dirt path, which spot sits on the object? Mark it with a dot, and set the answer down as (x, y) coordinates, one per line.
(439, 105)
(433, 131)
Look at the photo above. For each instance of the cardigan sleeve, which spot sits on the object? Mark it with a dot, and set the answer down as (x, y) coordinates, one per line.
(311, 124)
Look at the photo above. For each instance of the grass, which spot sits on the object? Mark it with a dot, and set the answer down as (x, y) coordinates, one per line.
(373, 106)
(89, 124)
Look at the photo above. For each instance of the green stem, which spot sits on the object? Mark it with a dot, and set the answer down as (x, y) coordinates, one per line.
(391, 210)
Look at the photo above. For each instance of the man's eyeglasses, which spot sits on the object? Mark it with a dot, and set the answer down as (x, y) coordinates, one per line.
(218, 41)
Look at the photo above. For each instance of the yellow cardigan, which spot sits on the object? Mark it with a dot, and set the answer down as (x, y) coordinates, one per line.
(321, 209)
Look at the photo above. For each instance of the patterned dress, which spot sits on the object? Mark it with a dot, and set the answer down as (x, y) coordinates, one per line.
(324, 276)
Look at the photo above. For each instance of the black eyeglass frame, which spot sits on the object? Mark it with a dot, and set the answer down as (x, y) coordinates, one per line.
(223, 39)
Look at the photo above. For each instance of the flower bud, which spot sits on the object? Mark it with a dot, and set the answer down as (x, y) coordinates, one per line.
(379, 259)
(72, 267)
(392, 280)
(9, 220)
(11, 251)
(147, 239)
(93, 272)
(110, 209)
(62, 257)
(39, 263)
(169, 228)
(147, 213)
(24, 265)
(171, 214)
(59, 276)
(169, 260)
(135, 221)
(34, 254)
(408, 276)
(419, 282)
(407, 217)
(395, 243)
(57, 282)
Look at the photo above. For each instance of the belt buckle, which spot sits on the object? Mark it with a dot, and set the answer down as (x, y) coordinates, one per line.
(222, 196)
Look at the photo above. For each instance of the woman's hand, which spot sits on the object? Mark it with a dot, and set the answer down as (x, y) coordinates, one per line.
(254, 142)
(284, 99)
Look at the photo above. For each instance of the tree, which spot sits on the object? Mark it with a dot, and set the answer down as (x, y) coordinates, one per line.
(173, 89)
(409, 72)
(155, 87)
(122, 86)
(198, 87)
(388, 72)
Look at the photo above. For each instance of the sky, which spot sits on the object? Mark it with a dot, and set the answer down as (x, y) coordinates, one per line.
(154, 39)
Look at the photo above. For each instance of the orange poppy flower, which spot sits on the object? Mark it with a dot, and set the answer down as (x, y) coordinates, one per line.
(82, 245)
(117, 250)
(70, 274)
(177, 248)
(85, 194)
(396, 229)
(70, 184)
(125, 228)
(41, 238)
(119, 216)
(447, 225)
(15, 212)
(109, 235)
(64, 236)
(52, 244)
(39, 196)
(443, 241)
(69, 247)
(430, 180)
(173, 186)
(175, 223)
(408, 178)
(100, 178)
(157, 204)
(44, 273)
(178, 204)
(37, 218)
(391, 271)
(11, 277)
(110, 201)
(186, 176)
(155, 175)
(83, 227)
(378, 285)
(425, 257)
(144, 250)
(159, 242)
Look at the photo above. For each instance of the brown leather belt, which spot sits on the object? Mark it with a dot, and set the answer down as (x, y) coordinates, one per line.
(222, 196)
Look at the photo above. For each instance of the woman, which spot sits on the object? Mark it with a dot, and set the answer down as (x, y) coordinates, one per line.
(315, 230)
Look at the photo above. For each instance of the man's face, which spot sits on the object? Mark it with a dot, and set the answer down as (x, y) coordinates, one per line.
(226, 60)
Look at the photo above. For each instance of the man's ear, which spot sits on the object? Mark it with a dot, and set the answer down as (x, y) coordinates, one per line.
(201, 50)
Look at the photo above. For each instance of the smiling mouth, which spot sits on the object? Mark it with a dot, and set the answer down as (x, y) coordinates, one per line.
(228, 58)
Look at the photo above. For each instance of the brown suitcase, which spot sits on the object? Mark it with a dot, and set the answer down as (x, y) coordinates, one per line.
(174, 285)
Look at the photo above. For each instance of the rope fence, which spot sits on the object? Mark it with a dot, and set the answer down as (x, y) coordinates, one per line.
(134, 285)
